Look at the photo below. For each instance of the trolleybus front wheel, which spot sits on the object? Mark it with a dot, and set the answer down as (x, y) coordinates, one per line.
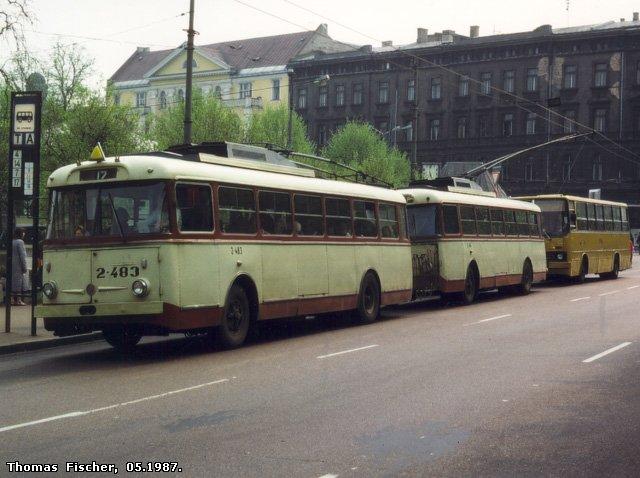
(368, 299)
(121, 337)
(236, 319)
(471, 286)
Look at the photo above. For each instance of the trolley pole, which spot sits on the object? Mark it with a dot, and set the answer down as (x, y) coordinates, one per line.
(188, 89)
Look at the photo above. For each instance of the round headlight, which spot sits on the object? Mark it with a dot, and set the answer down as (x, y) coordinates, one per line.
(140, 288)
(560, 256)
(49, 290)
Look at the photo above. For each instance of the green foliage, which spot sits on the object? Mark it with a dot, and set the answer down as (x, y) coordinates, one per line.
(360, 146)
(211, 121)
(272, 126)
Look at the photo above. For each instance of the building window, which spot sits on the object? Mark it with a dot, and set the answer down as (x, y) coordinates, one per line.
(383, 92)
(532, 79)
(194, 64)
(463, 86)
(596, 173)
(322, 134)
(141, 99)
(483, 126)
(485, 83)
(275, 90)
(245, 90)
(302, 98)
(509, 81)
(569, 125)
(570, 77)
(339, 95)
(436, 88)
(323, 94)
(217, 92)
(600, 120)
(600, 75)
(531, 123)
(528, 170)
(116, 99)
(462, 128)
(434, 129)
(163, 100)
(507, 124)
(411, 90)
(357, 93)
(566, 169)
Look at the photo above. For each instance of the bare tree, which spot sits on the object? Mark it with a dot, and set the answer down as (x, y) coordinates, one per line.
(14, 14)
(68, 72)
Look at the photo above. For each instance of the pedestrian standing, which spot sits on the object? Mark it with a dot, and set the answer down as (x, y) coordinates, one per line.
(19, 267)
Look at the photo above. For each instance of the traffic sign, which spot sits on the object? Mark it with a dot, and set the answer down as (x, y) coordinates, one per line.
(24, 119)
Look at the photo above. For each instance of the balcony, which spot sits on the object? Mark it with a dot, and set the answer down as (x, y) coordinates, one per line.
(244, 103)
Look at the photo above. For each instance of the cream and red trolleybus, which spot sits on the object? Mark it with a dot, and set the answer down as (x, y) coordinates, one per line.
(465, 240)
(186, 240)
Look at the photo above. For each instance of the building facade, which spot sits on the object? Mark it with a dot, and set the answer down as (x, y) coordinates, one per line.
(449, 99)
(247, 75)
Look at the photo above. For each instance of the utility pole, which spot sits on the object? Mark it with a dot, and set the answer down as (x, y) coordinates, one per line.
(416, 112)
(187, 96)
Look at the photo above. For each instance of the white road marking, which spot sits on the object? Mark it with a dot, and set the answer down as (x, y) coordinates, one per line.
(488, 320)
(609, 293)
(109, 407)
(606, 352)
(347, 351)
(633, 287)
(581, 298)
(329, 475)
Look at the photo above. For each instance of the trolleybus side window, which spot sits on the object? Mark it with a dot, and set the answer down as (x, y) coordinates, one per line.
(308, 219)
(608, 218)
(600, 217)
(275, 213)
(484, 224)
(523, 226)
(467, 214)
(388, 221)
(338, 213)
(534, 229)
(591, 217)
(423, 220)
(194, 210)
(450, 219)
(401, 212)
(497, 222)
(365, 219)
(510, 223)
(581, 216)
(237, 210)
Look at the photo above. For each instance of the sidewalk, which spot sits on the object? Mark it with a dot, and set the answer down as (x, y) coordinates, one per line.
(20, 339)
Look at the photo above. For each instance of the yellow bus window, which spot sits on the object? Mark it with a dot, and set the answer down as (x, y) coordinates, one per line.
(581, 216)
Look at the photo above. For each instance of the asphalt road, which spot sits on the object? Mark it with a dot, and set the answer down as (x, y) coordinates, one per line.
(508, 386)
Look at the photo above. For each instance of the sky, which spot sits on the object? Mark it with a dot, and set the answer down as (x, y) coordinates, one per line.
(110, 30)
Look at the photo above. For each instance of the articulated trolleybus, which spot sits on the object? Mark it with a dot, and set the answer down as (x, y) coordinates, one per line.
(465, 240)
(188, 241)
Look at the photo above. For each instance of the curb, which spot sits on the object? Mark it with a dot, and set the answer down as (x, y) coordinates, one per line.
(49, 343)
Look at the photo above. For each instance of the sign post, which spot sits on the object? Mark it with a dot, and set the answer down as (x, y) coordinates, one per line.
(24, 183)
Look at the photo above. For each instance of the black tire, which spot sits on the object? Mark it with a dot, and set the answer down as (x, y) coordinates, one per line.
(584, 270)
(471, 286)
(236, 319)
(121, 338)
(615, 271)
(526, 282)
(369, 300)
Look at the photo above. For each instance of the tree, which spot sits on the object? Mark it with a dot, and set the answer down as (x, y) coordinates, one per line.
(67, 72)
(212, 121)
(360, 146)
(13, 15)
(272, 126)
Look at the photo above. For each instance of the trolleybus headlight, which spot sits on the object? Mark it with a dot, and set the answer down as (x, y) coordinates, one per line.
(140, 288)
(49, 290)
(560, 256)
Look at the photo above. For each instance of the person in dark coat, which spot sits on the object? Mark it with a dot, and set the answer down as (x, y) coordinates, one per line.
(19, 267)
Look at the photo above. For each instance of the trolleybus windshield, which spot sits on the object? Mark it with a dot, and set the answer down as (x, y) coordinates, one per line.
(108, 210)
(555, 216)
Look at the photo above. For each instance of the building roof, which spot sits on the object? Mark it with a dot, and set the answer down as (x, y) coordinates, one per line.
(239, 54)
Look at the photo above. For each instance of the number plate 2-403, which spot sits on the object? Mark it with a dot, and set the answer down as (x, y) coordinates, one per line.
(117, 271)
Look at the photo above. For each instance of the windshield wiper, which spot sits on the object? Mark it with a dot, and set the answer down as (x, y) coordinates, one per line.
(115, 214)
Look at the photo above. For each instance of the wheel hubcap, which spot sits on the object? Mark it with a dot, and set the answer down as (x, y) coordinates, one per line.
(235, 317)
(369, 300)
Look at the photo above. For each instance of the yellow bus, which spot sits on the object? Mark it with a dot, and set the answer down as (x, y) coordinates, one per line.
(188, 241)
(584, 236)
(464, 242)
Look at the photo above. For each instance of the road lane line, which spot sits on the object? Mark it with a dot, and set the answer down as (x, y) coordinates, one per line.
(581, 298)
(347, 351)
(108, 407)
(609, 293)
(329, 475)
(606, 352)
(488, 320)
(633, 287)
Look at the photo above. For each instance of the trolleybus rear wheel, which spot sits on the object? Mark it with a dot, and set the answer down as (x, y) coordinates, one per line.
(368, 299)
(236, 319)
(121, 337)
(527, 279)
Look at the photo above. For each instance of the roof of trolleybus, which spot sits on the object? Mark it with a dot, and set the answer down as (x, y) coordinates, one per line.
(571, 198)
(165, 167)
(433, 196)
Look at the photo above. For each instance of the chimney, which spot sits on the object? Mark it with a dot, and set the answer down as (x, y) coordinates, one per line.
(474, 31)
(635, 16)
(323, 29)
(142, 49)
(423, 35)
(448, 32)
(387, 43)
